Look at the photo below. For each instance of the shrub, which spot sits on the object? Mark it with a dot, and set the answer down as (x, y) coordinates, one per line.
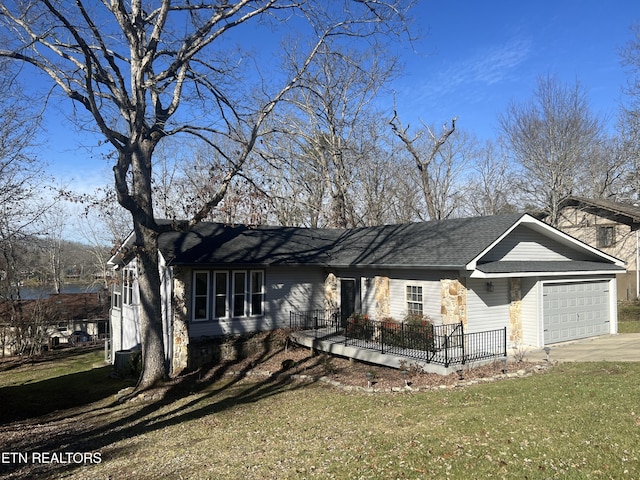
(419, 332)
(359, 326)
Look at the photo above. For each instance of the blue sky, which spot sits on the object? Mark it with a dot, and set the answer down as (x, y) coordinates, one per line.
(478, 57)
(472, 58)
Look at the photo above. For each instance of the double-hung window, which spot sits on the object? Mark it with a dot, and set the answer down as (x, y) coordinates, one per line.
(220, 292)
(257, 292)
(414, 300)
(116, 299)
(128, 287)
(200, 295)
(223, 294)
(239, 293)
(606, 236)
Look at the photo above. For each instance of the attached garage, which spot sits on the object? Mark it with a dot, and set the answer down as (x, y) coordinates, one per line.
(573, 310)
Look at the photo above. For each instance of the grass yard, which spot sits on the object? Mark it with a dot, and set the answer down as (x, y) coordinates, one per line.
(576, 421)
(629, 317)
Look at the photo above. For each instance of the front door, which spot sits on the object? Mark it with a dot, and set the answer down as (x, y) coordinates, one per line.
(347, 298)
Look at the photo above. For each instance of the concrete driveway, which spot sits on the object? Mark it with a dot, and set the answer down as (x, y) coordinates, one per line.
(624, 347)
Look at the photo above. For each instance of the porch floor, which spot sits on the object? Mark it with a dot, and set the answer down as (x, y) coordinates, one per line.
(327, 340)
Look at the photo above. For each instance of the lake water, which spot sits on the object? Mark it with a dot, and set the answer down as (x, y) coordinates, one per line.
(32, 293)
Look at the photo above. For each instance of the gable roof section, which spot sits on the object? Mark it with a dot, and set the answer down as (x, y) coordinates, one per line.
(457, 244)
(439, 244)
(588, 260)
(624, 213)
(468, 244)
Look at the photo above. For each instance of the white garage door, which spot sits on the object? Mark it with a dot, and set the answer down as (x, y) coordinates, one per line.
(575, 310)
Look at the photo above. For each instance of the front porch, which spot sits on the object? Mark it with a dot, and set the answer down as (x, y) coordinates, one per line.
(441, 349)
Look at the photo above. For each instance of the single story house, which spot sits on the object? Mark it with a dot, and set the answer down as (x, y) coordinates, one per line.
(510, 271)
(612, 227)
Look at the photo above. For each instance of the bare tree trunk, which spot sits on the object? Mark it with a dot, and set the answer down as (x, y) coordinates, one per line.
(429, 181)
(153, 353)
(139, 203)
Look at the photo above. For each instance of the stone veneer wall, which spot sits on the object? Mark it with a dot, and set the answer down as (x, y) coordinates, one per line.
(331, 294)
(515, 310)
(181, 291)
(453, 301)
(382, 297)
(214, 350)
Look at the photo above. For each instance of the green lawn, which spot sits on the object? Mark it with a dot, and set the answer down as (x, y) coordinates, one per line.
(629, 317)
(577, 421)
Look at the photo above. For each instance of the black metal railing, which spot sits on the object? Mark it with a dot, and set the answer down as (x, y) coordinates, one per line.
(440, 344)
(316, 320)
(485, 345)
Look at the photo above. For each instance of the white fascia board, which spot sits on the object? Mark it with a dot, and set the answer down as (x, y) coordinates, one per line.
(551, 232)
(479, 274)
(116, 259)
(472, 264)
(566, 239)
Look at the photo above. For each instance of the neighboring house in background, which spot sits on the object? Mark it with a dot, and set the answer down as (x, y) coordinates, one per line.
(611, 227)
(82, 316)
(65, 318)
(510, 271)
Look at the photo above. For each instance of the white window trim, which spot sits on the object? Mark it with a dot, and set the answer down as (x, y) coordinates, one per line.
(116, 294)
(128, 282)
(207, 296)
(232, 309)
(406, 297)
(230, 295)
(227, 309)
(252, 292)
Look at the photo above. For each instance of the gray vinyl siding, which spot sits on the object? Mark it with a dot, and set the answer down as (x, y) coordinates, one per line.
(524, 244)
(398, 281)
(286, 289)
(368, 295)
(293, 289)
(531, 316)
(431, 292)
(487, 310)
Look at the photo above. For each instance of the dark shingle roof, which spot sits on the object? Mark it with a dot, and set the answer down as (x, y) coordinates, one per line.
(447, 243)
(621, 212)
(215, 243)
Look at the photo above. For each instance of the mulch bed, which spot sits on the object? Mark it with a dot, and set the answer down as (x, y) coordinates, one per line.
(301, 364)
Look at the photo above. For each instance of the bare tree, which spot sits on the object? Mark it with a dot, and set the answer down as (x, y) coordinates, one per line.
(135, 67)
(606, 174)
(382, 190)
(491, 186)
(54, 223)
(21, 184)
(436, 169)
(330, 119)
(629, 118)
(551, 137)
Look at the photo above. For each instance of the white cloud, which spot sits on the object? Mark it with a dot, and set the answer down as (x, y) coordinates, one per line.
(467, 77)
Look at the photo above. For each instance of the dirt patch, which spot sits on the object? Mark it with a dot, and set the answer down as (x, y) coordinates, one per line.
(301, 364)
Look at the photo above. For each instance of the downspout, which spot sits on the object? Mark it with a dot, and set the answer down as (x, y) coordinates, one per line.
(637, 269)
(121, 286)
(169, 318)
